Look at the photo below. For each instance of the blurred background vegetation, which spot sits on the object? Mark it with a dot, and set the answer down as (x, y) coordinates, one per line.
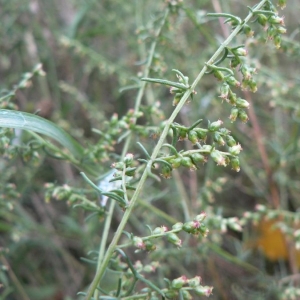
(90, 50)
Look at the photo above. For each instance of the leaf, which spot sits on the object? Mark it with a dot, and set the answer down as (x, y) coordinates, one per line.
(166, 82)
(27, 121)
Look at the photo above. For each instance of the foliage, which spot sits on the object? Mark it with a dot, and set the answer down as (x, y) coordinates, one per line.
(146, 155)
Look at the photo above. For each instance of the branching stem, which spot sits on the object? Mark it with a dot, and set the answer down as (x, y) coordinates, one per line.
(112, 247)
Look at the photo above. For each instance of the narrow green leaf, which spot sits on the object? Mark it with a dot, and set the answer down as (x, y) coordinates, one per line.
(27, 121)
(166, 82)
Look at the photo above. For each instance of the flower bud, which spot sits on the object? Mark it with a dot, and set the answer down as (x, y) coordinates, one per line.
(176, 162)
(232, 98)
(219, 75)
(174, 239)
(243, 116)
(166, 171)
(177, 226)
(193, 137)
(190, 227)
(201, 133)
(235, 150)
(235, 163)
(282, 4)
(281, 29)
(206, 148)
(203, 290)
(182, 134)
(128, 159)
(276, 20)
(186, 295)
(194, 282)
(203, 230)
(234, 224)
(138, 242)
(271, 32)
(187, 162)
(219, 139)
(234, 62)
(218, 158)
(277, 41)
(200, 217)
(234, 23)
(248, 31)
(149, 246)
(232, 81)
(230, 140)
(262, 19)
(240, 51)
(260, 208)
(130, 172)
(246, 72)
(214, 126)
(252, 85)
(178, 283)
(158, 231)
(177, 98)
(198, 158)
(224, 90)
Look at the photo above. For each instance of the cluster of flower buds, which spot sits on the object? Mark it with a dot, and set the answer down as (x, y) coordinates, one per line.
(186, 285)
(8, 195)
(29, 155)
(147, 244)
(26, 82)
(114, 129)
(265, 17)
(6, 135)
(57, 192)
(192, 158)
(248, 82)
(10, 148)
(289, 292)
(263, 212)
(181, 288)
(194, 227)
(128, 121)
(282, 3)
(152, 111)
(239, 105)
(158, 66)
(124, 166)
(268, 18)
(73, 197)
(149, 268)
(236, 55)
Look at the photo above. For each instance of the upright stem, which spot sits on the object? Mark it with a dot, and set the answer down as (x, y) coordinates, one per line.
(93, 288)
(156, 150)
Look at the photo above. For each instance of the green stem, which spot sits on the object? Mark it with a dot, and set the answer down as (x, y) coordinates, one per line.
(107, 223)
(140, 186)
(100, 269)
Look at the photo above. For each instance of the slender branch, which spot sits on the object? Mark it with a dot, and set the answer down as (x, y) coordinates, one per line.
(157, 148)
(101, 267)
